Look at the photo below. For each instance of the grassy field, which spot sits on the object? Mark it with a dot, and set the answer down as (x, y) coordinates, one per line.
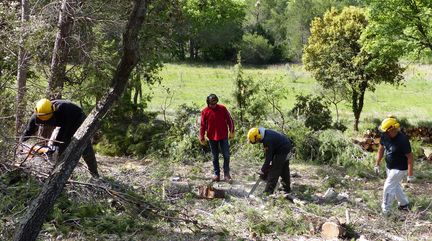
(192, 83)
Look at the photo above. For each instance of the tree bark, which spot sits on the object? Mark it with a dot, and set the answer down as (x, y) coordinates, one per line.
(31, 223)
(61, 49)
(23, 58)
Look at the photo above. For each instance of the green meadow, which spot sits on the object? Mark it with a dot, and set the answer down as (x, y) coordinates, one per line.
(190, 84)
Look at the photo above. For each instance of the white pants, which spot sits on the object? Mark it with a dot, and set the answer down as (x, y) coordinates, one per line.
(393, 189)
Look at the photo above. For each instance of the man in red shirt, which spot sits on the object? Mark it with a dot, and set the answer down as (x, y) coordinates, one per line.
(217, 121)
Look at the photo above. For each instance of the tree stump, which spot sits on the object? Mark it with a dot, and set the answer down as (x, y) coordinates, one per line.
(332, 229)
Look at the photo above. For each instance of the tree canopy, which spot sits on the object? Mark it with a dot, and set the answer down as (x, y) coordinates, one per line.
(335, 54)
(400, 27)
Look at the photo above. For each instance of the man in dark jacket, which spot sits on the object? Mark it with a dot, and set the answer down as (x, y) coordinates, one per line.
(216, 121)
(67, 116)
(277, 147)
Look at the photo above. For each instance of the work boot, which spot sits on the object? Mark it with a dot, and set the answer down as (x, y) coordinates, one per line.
(403, 208)
(227, 177)
(95, 175)
(216, 178)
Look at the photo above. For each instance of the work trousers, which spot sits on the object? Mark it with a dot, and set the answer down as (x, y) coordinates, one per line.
(224, 148)
(279, 168)
(393, 189)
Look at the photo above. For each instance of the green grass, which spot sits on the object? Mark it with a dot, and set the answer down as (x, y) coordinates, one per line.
(192, 83)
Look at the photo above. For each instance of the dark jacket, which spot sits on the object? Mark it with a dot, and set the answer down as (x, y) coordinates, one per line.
(274, 143)
(67, 115)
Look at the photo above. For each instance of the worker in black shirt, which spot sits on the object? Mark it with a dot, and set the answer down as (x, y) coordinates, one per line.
(66, 115)
(277, 147)
(396, 148)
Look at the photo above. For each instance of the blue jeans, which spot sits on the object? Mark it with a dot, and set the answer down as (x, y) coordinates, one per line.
(224, 147)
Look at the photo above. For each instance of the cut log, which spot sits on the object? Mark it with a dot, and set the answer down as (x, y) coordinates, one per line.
(332, 230)
(210, 192)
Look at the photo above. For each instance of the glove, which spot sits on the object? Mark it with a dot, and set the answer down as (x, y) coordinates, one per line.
(231, 135)
(377, 170)
(410, 179)
(262, 175)
(202, 142)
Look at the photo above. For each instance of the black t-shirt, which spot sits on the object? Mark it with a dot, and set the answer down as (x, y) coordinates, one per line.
(396, 150)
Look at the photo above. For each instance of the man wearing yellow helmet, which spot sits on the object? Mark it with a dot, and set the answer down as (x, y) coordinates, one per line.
(399, 161)
(277, 146)
(67, 116)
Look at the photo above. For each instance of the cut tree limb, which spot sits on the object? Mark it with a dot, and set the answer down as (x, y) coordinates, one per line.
(32, 222)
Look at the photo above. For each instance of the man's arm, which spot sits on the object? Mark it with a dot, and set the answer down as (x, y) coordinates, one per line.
(380, 155)
(229, 120)
(268, 158)
(410, 163)
(203, 125)
(30, 129)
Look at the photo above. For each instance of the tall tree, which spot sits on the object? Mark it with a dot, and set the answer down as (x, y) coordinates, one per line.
(23, 58)
(32, 222)
(336, 57)
(400, 26)
(214, 27)
(61, 49)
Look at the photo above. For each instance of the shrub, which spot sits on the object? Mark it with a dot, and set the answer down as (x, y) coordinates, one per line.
(306, 144)
(129, 130)
(182, 142)
(256, 49)
(336, 149)
(316, 115)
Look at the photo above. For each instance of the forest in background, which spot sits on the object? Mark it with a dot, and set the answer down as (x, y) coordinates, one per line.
(81, 50)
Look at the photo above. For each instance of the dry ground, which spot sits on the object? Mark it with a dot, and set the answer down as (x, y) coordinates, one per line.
(238, 217)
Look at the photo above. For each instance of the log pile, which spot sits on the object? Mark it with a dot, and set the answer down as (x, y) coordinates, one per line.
(371, 138)
(422, 132)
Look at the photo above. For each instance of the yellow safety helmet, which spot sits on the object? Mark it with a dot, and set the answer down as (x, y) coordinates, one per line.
(389, 123)
(254, 135)
(44, 109)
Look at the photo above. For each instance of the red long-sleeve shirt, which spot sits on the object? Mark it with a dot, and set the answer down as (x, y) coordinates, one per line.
(216, 122)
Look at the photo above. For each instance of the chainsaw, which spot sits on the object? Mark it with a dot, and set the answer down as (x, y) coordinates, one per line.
(254, 186)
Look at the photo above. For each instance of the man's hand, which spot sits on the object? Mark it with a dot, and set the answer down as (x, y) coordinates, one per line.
(263, 175)
(377, 170)
(231, 135)
(410, 179)
(202, 142)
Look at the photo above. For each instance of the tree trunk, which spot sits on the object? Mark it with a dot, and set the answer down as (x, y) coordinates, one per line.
(358, 102)
(61, 49)
(191, 49)
(23, 57)
(31, 223)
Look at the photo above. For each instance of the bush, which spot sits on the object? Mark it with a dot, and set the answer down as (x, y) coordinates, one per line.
(336, 149)
(256, 49)
(316, 115)
(182, 142)
(129, 130)
(306, 144)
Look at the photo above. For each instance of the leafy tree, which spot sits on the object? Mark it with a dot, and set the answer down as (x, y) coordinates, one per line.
(250, 108)
(335, 55)
(400, 27)
(214, 27)
(286, 23)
